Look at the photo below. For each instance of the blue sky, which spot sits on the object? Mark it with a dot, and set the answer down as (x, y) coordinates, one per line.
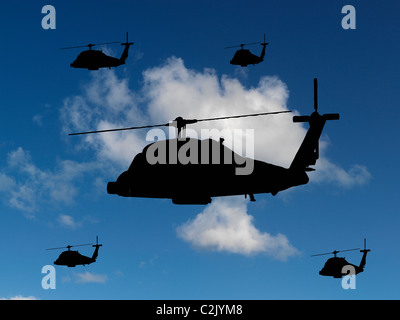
(53, 187)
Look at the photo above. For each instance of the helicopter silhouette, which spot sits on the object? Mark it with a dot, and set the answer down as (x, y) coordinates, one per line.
(71, 258)
(244, 57)
(197, 181)
(334, 266)
(95, 59)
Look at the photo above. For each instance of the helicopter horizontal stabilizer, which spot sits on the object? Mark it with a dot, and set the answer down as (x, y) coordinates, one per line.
(301, 118)
(326, 116)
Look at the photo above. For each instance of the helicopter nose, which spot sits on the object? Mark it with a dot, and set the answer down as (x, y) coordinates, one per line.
(112, 187)
(119, 189)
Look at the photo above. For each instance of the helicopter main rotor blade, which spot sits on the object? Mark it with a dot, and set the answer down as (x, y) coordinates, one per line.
(97, 44)
(118, 129)
(91, 45)
(333, 252)
(349, 250)
(245, 115)
(321, 254)
(56, 248)
(87, 45)
(184, 120)
(66, 247)
(242, 45)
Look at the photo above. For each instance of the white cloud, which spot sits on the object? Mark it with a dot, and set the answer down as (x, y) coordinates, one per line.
(68, 221)
(19, 297)
(6, 182)
(38, 119)
(356, 175)
(225, 226)
(106, 102)
(88, 277)
(27, 187)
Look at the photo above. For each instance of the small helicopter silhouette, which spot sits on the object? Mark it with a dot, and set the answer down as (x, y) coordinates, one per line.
(71, 258)
(244, 57)
(197, 182)
(334, 266)
(95, 59)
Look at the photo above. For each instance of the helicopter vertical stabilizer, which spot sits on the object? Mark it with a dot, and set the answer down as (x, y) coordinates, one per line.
(308, 152)
(96, 251)
(364, 257)
(264, 44)
(125, 52)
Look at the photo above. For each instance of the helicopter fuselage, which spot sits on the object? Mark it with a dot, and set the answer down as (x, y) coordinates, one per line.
(194, 175)
(334, 267)
(244, 57)
(72, 258)
(95, 59)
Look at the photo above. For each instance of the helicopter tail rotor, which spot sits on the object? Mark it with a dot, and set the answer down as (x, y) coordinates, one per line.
(327, 116)
(97, 243)
(127, 42)
(264, 43)
(365, 246)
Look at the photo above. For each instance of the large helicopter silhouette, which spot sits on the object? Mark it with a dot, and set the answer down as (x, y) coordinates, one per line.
(197, 181)
(334, 267)
(244, 57)
(95, 59)
(72, 258)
